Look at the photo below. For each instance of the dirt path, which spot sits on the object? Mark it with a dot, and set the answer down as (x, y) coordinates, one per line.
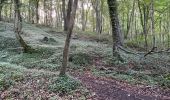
(109, 89)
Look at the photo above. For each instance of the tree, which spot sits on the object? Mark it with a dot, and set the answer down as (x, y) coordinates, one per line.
(152, 22)
(68, 15)
(18, 26)
(116, 30)
(1, 6)
(69, 30)
(36, 10)
(97, 7)
(64, 13)
(144, 17)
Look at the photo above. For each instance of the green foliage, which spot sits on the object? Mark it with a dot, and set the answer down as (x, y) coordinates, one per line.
(8, 78)
(63, 84)
(8, 43)
(38, 54)
(80, 58)
(114, 61)
(5, 83)
(51, 41)
(167, 77)
(164, 81)
(43, 65)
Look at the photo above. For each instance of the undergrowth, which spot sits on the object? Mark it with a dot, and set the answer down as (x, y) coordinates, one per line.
(63, 84)
(9, 77)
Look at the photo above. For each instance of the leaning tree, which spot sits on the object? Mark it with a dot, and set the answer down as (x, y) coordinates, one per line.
(71, 13)
(18, 27)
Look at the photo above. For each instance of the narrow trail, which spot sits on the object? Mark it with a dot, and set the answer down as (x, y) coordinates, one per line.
(109, 89)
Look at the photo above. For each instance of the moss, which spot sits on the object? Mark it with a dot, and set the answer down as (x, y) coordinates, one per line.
(9, 77)
(8, 43)
(63, 84)
(81, 59)
(47, 40)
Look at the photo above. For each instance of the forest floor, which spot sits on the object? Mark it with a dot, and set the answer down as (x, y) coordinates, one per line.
(102, 76)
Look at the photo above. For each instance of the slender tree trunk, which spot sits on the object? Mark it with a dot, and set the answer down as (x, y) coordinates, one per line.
(116, 30)
(130, 19)
(83, 16)
(69, 9)
(29, 11)
(6, 13)
(1, 12)
(68, 38)
(1, 6)
(51, 12)
(10, 11)
(45, 12)
(93, 20)
(64, 13)
(144, 16)
(18, 26)
(36, 10)
(96, 6)
(152, 23)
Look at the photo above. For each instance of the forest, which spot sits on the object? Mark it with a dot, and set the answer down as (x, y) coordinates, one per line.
(84, 49)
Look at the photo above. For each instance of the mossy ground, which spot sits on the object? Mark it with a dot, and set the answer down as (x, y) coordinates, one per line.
(84, 54)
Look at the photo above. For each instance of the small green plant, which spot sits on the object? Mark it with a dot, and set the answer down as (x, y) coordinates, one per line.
(8, 78)
(164, 82)
(81, 59)
(5, 83)
(63, 84)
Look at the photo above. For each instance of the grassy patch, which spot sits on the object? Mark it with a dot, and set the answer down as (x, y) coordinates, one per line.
(80, 58)
(8, 43)
(63, 84)
(9, 77)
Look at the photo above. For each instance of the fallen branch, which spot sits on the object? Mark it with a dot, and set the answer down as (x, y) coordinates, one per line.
(152, 51)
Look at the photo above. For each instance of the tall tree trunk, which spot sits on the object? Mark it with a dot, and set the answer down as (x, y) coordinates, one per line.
(64, 13)
(1, 6)
(144, 16)
(116, 30)
(68, 38)
(29, 11)
(36, 11)
(10, 11)
(1, 12)
(83, 15)
(130, 19)
(18, 26)
(97, 7)
(45, 12)
(152, 23)
(51, 13)
(69, 10)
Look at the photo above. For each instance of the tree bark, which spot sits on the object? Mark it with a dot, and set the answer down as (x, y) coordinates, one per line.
(45, 12)
(83, 16)
(116, 30)
(68, 38)
(130, 19)
(1, 12)
(18, 26)
(96, 6)
(1, 6)
(144, 16)
(68, 16)
(152, 23)
(64, 13)
(36, 10)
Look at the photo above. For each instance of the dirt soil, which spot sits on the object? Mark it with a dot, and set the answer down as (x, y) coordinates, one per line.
(112, 89)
